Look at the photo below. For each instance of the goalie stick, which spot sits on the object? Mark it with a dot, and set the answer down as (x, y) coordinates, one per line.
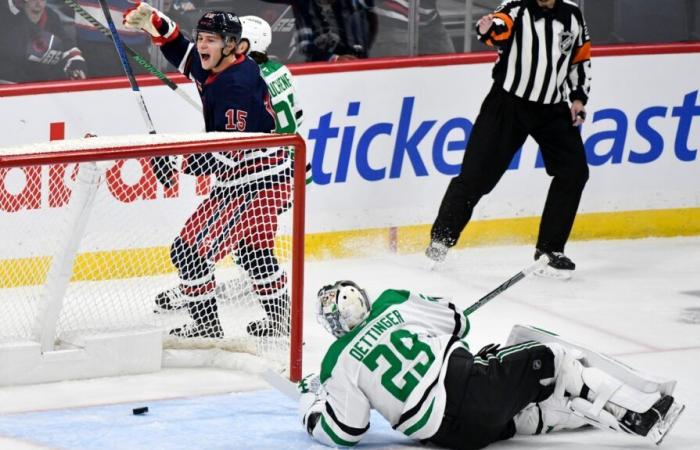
(281, 384)
(143, 62)
(541, 262)
(119, 45)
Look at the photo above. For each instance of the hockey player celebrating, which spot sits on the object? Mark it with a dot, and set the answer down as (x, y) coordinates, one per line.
(234, 98)
(404, 356)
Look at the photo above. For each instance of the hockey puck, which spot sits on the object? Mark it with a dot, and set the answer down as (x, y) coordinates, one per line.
(139, 411)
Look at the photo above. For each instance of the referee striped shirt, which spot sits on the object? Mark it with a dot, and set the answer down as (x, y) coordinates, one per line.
(543, 53)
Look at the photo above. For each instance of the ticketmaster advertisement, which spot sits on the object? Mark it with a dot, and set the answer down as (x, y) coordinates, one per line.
(384, 143)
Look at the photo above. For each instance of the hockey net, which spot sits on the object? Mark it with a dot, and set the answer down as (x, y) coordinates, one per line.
(99, 240)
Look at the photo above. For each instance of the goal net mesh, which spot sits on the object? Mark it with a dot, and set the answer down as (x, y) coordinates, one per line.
(190, 235)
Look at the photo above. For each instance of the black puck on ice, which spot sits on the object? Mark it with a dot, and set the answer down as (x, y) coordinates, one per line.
(139, 411)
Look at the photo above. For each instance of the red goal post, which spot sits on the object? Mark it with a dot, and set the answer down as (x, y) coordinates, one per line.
(117, 258)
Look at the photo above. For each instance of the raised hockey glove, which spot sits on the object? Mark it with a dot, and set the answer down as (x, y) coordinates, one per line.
(164, 169)
(145, 17)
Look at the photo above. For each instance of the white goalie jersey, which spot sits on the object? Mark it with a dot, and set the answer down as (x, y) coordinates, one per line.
(393, 362)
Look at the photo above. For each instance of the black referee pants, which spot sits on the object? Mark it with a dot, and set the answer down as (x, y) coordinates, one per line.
(485, 393)
(503, 124)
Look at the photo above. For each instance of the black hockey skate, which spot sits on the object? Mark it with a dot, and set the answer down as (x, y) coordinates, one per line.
(210, 330)
(174, 300)
(170, 300)
(559, 266)
(267, 328)
(654, 423)
(206, 321)
(276, 321)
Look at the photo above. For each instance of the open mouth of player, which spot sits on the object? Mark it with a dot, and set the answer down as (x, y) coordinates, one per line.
(205, 57)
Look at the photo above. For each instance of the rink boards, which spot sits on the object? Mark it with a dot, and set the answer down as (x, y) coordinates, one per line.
(385, 137)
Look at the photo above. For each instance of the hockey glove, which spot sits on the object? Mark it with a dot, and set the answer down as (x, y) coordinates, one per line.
(145, 17)
(310, 383)
(74, 64)
(311, 407)
(164, 169)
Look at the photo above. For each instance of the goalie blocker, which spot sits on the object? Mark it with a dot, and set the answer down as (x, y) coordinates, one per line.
(612, 396)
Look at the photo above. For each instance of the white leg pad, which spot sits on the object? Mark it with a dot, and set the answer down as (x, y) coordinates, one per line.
(603, 419)
(609, 389)
(640, 381)
(568, 370)
(555, 414)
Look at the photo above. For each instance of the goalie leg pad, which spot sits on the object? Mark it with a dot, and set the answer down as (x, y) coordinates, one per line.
(639, 380)
(603, 419)
(568, 371)
(553, 414)
(606, 388)
(591, 383)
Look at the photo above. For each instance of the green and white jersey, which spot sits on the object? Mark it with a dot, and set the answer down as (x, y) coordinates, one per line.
(288, 113)
(393, 362)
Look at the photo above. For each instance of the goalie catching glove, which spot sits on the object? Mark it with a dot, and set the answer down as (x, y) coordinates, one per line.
(147, 18)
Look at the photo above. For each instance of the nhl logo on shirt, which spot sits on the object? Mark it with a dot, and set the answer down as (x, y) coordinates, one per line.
(566, 41)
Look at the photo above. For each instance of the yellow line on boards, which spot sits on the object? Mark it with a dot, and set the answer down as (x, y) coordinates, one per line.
(127, 263)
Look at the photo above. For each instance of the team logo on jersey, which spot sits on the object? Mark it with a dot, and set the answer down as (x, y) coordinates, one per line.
(566, 41)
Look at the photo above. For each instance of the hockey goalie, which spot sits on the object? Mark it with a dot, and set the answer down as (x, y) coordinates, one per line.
(405, 357)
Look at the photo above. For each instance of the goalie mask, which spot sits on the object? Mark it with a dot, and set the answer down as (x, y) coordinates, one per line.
(341, 307)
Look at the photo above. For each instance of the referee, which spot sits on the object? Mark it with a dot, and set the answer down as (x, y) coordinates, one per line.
(543, 55)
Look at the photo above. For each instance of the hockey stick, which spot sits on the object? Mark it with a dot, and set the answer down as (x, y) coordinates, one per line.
(281, 384)
(138, 58)
(127, 67)
(540, 263)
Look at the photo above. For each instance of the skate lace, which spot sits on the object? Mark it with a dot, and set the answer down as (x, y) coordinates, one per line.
(559, 255)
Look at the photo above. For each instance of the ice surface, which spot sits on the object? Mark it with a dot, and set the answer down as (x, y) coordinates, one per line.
(637, 300)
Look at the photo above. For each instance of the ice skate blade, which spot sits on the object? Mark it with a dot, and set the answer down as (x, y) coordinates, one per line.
(659, 431)
(551, 272)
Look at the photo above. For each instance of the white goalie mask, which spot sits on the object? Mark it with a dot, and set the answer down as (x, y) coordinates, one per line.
(257, 32)
(341, 307)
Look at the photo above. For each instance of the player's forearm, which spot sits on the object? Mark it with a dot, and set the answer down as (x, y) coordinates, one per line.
(177, 52)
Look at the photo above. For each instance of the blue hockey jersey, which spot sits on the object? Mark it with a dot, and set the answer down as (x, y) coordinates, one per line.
(235, 99)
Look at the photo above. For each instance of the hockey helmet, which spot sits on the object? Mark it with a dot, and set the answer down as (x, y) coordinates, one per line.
(341, 307)
(225, 24)
(258, 33)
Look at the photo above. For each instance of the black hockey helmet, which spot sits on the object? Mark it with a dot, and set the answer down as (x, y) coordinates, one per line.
(225, 24)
